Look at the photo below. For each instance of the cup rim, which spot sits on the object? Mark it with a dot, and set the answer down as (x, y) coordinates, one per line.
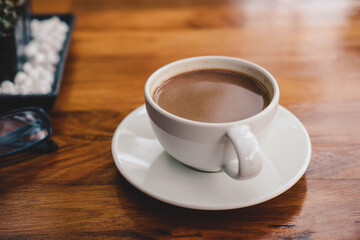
(273, 103)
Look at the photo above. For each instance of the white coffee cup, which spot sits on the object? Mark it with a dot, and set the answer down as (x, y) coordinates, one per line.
(234, 147)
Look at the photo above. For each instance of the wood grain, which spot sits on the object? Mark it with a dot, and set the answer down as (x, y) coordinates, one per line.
(311, 47)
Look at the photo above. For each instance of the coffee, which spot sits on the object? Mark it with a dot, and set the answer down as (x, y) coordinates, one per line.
(212, 95)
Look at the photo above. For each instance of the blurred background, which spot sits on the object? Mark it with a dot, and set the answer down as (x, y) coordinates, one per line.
(299, 42)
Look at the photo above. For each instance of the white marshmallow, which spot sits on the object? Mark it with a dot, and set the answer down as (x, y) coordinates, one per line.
(8, 87)
(38, 74)
(46, 47)
(63, 28)
(23, 89)
(42, 88)
(49, 79)
(34, 74)
(35, 25)
(44, 71)
(49, 67)
(7, 84)
(9, 91)
(20, 78)
(27, 67)
(56, 20)
(27, 83)
(40, 58)
(31, 49)
(55, 44)
(52, 58)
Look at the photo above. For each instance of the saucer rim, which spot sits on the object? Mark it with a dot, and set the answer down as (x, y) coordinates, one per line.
(267, 197)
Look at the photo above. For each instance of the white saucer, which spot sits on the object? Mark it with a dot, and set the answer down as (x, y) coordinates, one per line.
(143, 162)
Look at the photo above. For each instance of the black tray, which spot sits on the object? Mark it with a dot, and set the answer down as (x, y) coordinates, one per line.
(45, 101)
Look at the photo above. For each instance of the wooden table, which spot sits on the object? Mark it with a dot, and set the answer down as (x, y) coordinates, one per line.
(311, 47)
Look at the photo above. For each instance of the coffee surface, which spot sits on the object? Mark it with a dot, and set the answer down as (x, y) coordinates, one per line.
(212, 95)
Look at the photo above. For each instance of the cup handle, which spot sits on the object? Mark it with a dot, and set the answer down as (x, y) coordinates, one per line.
(249, 156)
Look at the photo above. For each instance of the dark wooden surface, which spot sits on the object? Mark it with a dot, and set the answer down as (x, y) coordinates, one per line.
(311, 47)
